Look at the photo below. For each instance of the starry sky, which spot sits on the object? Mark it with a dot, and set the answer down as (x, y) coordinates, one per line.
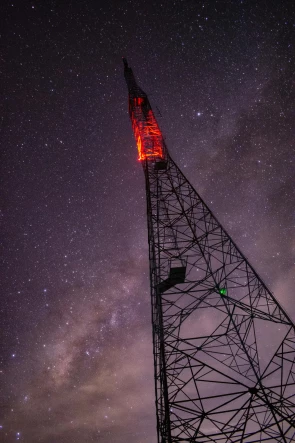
(76, 347)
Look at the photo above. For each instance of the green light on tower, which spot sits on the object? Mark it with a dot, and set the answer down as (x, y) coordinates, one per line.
(222, 291)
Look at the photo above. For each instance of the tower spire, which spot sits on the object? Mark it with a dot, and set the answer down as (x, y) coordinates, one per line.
(224, 348)
(148, 136)
(133, 88)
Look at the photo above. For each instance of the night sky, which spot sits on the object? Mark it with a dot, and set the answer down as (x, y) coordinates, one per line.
(76, 346)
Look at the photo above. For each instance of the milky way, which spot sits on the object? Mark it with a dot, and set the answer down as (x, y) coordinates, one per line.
(76, 354)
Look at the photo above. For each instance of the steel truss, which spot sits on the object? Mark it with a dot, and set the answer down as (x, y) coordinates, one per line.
(224, 349)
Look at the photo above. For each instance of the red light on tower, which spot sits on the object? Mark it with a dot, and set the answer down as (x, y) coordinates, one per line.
(148, 136)
(147, 133)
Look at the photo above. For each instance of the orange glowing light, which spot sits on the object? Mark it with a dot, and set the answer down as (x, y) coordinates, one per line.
(147, 133)
(138, 101)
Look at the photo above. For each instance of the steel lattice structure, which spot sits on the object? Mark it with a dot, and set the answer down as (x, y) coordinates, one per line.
(224, 349)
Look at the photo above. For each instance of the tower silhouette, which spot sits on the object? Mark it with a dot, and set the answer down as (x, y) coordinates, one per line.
(224, 348)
